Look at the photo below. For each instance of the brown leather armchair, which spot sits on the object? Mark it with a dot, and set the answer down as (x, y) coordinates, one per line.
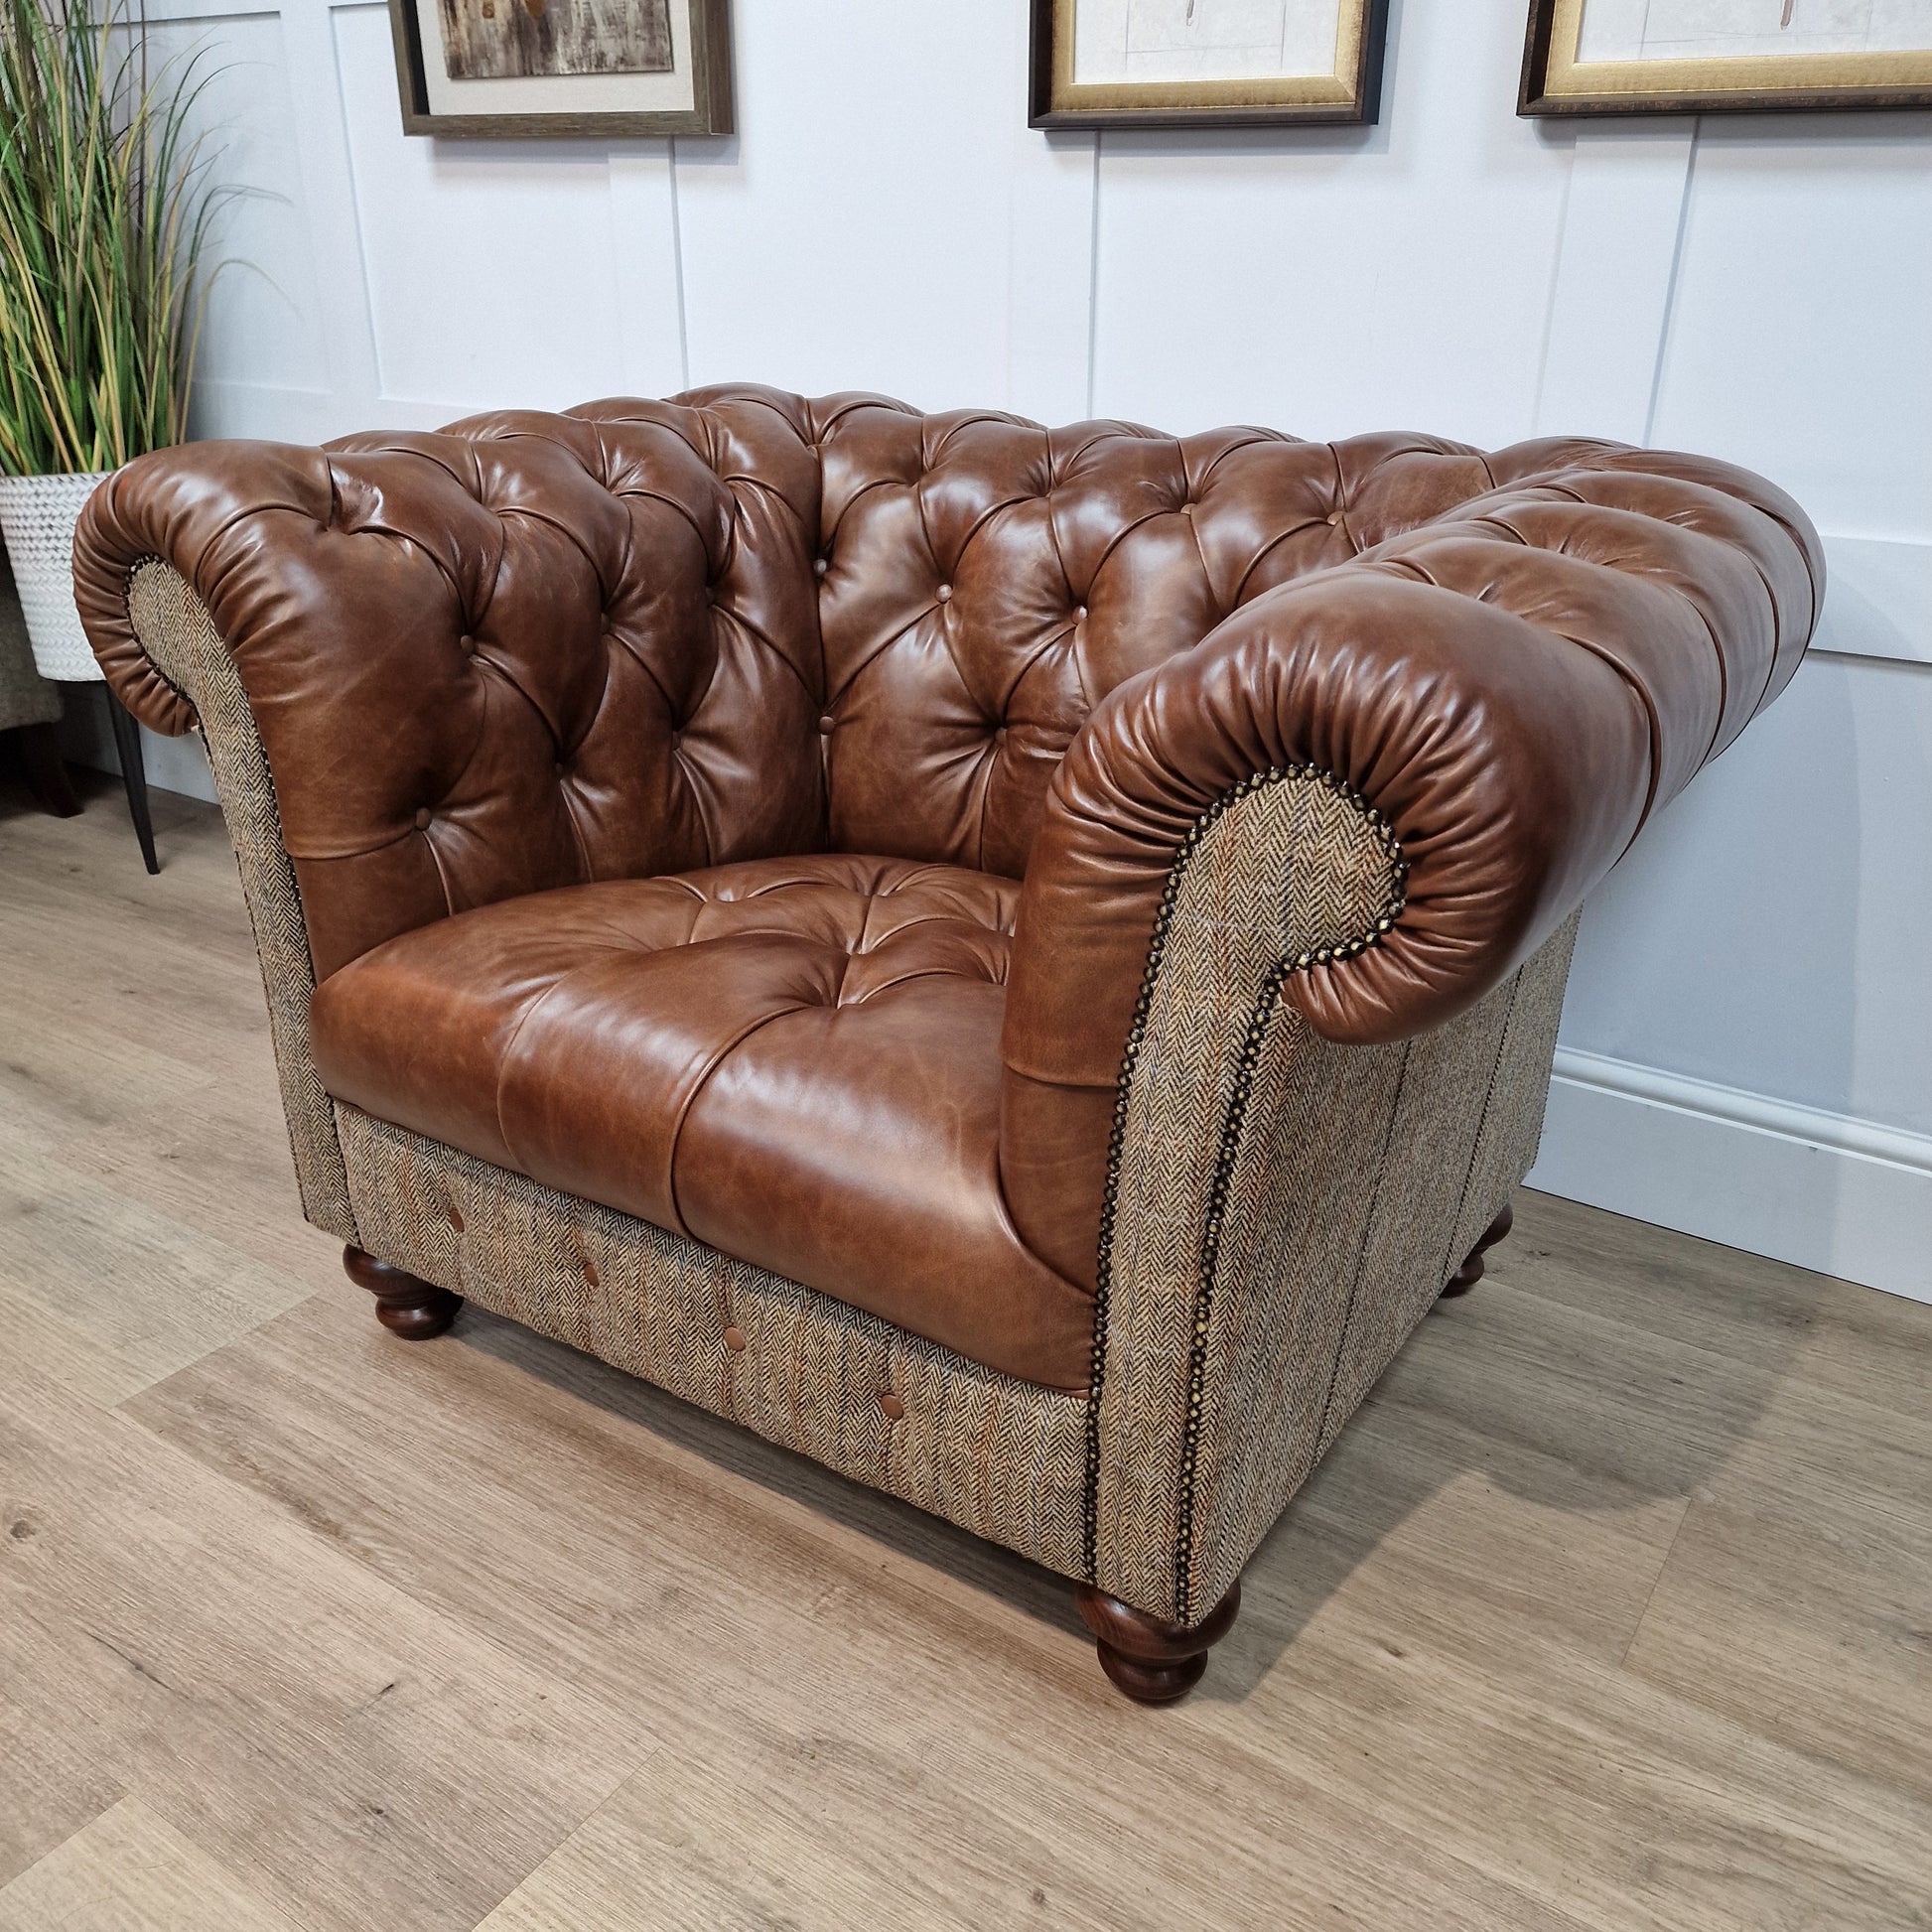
(1016, 963)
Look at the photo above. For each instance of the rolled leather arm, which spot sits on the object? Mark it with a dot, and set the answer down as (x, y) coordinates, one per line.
(468, 655)
(358, 553)
(1515, 688)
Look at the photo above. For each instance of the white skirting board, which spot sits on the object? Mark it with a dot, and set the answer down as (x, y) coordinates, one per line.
(1846, 1197)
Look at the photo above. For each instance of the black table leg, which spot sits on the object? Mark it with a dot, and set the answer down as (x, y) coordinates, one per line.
(134, 776)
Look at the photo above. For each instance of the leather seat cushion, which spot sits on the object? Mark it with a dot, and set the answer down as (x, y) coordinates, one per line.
(795, 1060)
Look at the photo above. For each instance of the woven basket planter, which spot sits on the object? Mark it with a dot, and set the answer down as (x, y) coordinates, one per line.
(38, 515)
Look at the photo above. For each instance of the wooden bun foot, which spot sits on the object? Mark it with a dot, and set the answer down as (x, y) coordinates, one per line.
(1467, 1277)
(1152, 1661)
(405, 1304)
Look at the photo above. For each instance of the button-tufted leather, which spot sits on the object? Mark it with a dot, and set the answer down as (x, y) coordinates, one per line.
(646, 638)
(622, 580)
(795, 1060)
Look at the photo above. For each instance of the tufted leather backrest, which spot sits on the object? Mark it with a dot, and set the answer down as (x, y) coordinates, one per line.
(527, 651)
(640, 638)
(984, 583)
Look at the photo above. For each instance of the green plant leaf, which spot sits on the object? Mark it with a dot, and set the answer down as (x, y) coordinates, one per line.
(105, 209)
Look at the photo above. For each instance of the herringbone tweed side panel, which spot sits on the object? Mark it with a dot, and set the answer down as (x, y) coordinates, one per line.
(999, 1456)
(1287, 1210)
(177, 633)
(1512, 1122)
(1283, 869)
(1497, 1069)
(1403, 1155)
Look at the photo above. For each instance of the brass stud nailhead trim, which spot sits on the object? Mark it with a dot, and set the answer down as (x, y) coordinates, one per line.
(1218, 1200)
(1384, 834)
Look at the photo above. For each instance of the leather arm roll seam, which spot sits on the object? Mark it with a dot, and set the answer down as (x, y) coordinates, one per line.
(1384, 836)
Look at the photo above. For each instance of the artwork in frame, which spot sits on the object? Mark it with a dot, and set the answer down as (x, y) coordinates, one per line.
(1702, 57)
(1206, 63)
(599, 70)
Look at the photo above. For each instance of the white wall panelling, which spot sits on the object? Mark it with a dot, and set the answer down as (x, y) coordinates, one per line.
(646, 257)
(1616, 266)
(857, 235)
(1881, 599)
(1798, 331)
(1746, 1050)
(1333, 280)
(440, 219)
(261, 325)
(1746, 1044)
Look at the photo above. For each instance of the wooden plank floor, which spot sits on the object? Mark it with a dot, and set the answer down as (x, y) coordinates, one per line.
(1614, 1608)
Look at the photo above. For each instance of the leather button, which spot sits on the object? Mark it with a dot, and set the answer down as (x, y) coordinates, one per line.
(422, 819)
(1080, 616)
(1186, 510)
(820, 565)
(468, 645)
(1334, 518)
(455, 1216)
(946, 592)
(892, 1406)
(735, 1340)
(826, 723)
(589, 1274)
(559, 769)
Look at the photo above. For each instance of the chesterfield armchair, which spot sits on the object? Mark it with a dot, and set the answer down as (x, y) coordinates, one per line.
(1018, 964)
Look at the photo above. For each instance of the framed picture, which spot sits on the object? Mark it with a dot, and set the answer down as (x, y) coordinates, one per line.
(562, 69)
(1206, 63)
(1704, 56)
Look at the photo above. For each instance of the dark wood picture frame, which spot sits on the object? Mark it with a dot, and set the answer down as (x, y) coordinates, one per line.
(1357, 99)
(711, 91)
(1818, 83)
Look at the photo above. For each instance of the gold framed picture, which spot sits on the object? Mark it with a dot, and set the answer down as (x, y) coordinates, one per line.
(1704, 56)
(563, 69)
(1206, 63)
